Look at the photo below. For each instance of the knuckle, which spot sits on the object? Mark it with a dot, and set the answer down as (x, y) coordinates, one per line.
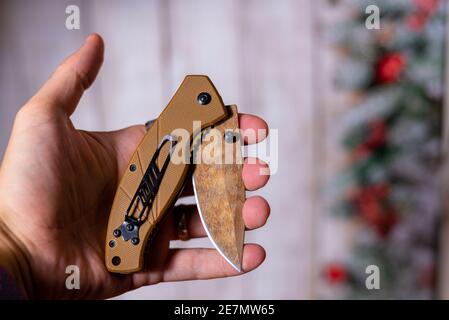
(82, 78)
(22, 114)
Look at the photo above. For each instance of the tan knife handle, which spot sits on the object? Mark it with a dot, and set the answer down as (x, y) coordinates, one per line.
(123, 254)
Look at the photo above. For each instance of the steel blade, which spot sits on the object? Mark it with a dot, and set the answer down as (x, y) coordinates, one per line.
(220, 195)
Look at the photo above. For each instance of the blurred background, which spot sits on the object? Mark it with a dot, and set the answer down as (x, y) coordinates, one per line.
(359, 179)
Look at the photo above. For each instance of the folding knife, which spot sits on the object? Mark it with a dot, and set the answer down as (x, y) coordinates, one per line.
(153, 179)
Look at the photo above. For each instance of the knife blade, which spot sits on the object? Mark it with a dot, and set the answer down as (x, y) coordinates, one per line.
(219, 189)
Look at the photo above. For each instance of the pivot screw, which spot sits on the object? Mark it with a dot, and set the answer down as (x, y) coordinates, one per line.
(135, 241)
(204, 98)
(129, 227)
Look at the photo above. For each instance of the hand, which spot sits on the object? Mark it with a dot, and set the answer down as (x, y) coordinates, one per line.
(57, 184)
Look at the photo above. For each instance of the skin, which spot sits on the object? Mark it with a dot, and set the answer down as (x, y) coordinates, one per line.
(57, 184)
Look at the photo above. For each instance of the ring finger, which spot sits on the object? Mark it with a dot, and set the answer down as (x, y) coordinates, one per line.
(256, 211)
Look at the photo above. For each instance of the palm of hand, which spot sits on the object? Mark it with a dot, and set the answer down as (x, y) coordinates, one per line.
(78, 171)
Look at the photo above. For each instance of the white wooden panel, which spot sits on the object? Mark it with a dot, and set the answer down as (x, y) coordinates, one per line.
(34, 42)
(129, 86)
(276, 46)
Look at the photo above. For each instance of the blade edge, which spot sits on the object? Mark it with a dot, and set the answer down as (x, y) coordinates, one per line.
(209, 235)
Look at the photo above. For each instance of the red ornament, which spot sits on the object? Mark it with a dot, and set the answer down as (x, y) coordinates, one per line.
(425, 9)
(336, 273)
(382, 222)
(375, 139)
(372, 204)
(390, 67)
(416, 22)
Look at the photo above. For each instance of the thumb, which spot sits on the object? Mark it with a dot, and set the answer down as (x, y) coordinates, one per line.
(64, 88)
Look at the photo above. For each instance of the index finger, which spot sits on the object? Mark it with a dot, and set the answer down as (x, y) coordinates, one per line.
(254, 129)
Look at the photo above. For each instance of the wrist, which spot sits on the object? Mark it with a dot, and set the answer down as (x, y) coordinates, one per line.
(14, 261)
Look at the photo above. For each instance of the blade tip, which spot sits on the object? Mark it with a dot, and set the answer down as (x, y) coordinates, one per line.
(238, 268)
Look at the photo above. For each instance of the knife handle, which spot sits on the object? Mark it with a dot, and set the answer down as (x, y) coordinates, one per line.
(152, 181)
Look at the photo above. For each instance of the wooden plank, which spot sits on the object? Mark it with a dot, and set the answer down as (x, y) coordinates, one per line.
(129, 85)
(37, 41)
(276, 46)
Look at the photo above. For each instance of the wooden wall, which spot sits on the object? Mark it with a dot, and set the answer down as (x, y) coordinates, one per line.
(268, 57)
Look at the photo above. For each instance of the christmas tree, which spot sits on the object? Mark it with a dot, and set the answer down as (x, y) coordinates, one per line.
(393, 139)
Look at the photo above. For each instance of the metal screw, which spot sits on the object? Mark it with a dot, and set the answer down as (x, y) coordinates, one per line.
(117, 233)
(116, 260)
(129, 227)
(204, 98)
(231, 137)
(112, 243)
(135, 241)
(132, 167)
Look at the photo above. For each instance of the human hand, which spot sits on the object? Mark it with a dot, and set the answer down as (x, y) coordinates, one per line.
(57, 184)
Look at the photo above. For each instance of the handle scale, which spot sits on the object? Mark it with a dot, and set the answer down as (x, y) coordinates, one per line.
(164, 179)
